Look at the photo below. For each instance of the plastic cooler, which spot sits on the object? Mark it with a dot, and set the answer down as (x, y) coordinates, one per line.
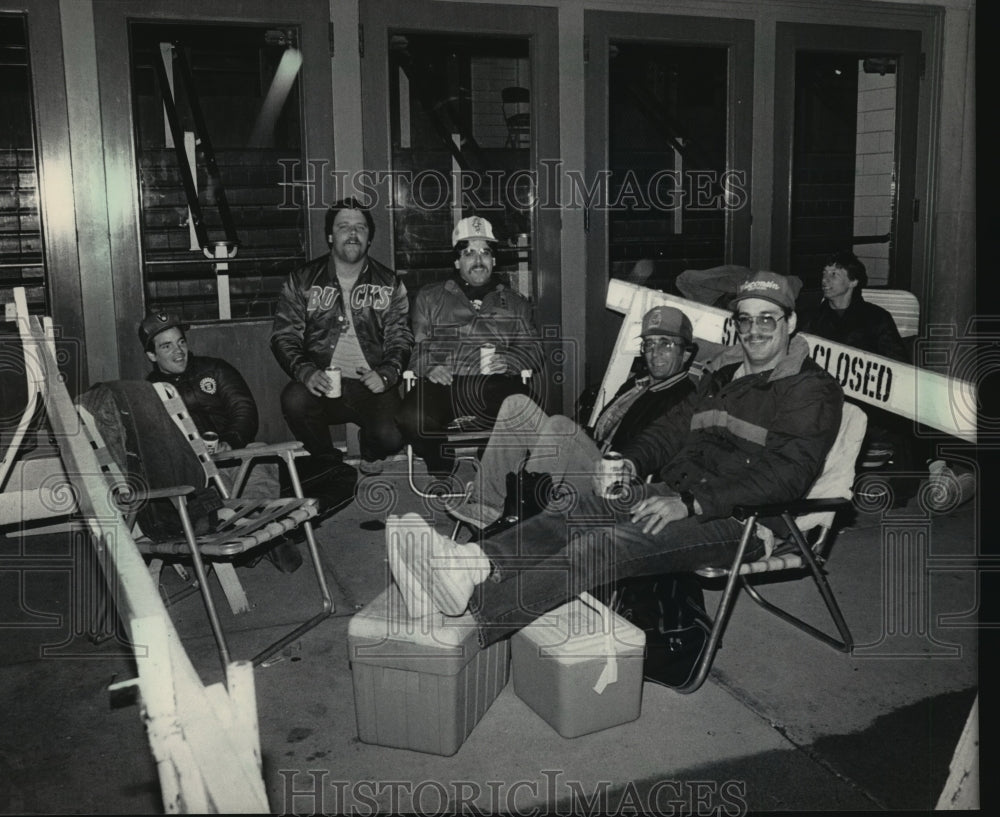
(580, 667)
(420, 684)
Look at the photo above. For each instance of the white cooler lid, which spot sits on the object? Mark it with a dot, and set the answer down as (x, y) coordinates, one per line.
(583, 629)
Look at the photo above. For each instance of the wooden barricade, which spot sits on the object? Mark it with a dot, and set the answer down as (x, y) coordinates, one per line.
(944, 403)
(204, 739)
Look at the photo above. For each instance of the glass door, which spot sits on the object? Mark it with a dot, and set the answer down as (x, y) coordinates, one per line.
(846, 108)
(467, 123)
(668, 155)
(204, 154)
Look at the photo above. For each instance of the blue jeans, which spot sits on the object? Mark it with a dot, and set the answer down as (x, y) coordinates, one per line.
(429, 407)
(553, 557)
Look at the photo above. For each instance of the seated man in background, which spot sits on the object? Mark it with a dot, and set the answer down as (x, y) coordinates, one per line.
(341, 332)
(219, 401)
(524, 436)
(757, 430)
(452, 323)
(844, 316)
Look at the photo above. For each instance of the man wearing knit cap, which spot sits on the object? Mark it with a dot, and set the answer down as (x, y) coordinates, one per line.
(756, 431)
(452, 323)
(555, 449)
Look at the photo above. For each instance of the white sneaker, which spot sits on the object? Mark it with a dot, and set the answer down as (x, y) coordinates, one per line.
(432, 571)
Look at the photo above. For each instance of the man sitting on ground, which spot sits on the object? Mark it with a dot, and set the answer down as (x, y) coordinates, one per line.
(525, 437)
(757, 430)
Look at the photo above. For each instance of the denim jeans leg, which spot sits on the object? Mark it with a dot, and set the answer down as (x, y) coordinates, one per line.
(595, 545)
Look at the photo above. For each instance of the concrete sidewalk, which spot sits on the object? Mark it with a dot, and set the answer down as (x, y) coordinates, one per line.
(783, 723)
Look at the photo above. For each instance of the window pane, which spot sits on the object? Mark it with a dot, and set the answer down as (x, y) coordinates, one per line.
(461, 146)
(22, 261)
(232, 93)
(844, 164)
(668, 135)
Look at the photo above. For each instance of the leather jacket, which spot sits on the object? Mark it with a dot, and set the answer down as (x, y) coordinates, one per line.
(449, 331)
(217, 397)
(310, 317)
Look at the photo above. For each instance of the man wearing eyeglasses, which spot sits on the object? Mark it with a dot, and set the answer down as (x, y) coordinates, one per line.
(526, 440)
(757, 430)
(474, 336)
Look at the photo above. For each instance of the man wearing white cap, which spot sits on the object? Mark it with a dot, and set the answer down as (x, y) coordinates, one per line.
(452, 323)
(756, 431)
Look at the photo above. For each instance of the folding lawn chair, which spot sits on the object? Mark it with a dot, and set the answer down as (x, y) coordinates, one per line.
(236, 527)
(830, 492)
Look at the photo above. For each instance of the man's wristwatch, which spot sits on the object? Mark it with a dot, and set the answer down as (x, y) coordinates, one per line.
(688, 499)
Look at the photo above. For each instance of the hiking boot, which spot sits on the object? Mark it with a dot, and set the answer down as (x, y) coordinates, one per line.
(432, 572)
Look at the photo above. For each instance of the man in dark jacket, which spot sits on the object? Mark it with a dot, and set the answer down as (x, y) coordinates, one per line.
(452, 322)
(214, 392)
(343, 311)
(218, 400)
(757, 429)
(525, 436)
(844, 316)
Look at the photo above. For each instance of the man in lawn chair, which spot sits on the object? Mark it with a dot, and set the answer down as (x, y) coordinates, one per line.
(474, 336)
(220, 403)
(757, 430)
(539, 451)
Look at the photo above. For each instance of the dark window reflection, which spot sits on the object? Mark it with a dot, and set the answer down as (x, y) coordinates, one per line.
(461, 146)
(668, 134)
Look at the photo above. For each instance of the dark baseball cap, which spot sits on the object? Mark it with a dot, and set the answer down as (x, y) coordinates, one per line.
(666, 320)
(767, 286)
(156, 322)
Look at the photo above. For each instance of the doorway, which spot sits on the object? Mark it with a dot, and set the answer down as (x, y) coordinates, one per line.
(847, 123)
(470, 120)
(668, 155)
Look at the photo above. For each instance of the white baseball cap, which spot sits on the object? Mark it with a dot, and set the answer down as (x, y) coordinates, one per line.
(470, 228)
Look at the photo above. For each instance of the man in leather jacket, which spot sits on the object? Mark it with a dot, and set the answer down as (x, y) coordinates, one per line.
(214, 392)
(219, 400)
(452, 321)
(348, 311)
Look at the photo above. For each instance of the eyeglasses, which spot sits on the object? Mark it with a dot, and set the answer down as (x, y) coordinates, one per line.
(660, 344)
(469, 252)
(766, 323)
